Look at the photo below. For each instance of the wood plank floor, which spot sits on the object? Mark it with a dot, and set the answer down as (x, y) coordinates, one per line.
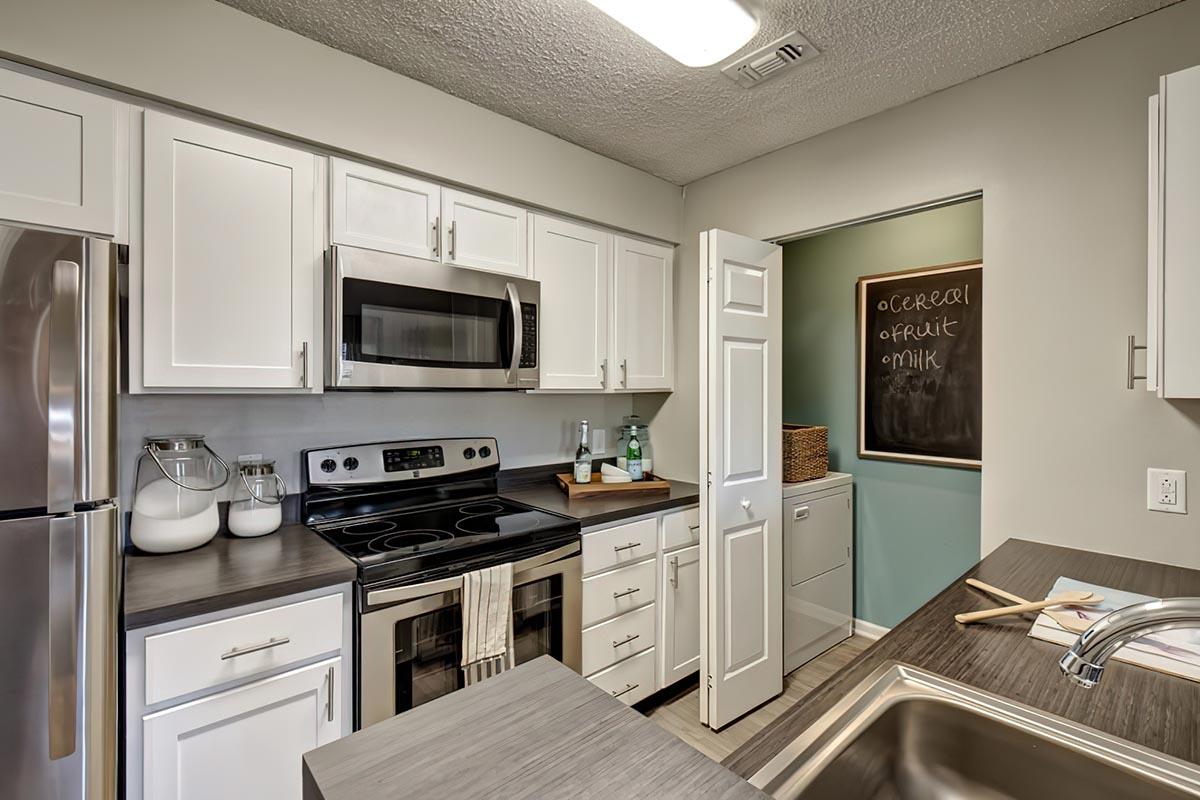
(681, 714)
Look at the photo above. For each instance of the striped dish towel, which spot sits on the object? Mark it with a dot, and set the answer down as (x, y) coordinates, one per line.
(487, 622)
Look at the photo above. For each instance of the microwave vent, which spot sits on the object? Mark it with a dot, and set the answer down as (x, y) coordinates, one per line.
(781, 55)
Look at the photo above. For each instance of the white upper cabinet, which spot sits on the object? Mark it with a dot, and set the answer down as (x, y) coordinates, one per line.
(1174, 247)
(231, 260)
(485, 234)
(642, 319)
(382, 210)
(57, 148)
(572, 263)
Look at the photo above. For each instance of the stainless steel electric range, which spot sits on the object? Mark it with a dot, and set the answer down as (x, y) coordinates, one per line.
(415, 516)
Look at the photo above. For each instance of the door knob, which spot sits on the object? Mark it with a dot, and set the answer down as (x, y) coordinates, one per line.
(746, 503)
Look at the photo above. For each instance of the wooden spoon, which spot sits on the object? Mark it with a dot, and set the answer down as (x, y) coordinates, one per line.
(1064, 599)
(1064, 619)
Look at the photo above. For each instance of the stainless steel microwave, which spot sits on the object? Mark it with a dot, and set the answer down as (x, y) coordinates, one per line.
(395, 322)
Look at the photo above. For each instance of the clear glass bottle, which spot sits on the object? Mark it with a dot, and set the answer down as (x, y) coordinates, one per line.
(583, 456)
(633, 456)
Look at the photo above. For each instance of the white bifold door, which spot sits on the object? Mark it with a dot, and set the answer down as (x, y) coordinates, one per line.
(741, 549)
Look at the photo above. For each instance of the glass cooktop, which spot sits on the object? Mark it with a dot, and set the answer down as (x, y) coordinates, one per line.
(417, 541)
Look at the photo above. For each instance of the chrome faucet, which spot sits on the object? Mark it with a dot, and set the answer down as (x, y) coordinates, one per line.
(1084, 662)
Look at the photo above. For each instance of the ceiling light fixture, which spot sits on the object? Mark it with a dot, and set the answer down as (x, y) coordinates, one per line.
(696, 33)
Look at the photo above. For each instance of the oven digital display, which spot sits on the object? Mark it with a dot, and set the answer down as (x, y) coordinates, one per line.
(409, 459)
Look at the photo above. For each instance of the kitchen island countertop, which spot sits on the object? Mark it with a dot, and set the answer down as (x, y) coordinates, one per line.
(1143, 706)
(536, 731)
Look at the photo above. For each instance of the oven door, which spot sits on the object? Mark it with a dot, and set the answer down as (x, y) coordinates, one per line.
(411, 652)
(398, 322)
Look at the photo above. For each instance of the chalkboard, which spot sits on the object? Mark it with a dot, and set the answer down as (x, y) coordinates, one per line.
(920, 348)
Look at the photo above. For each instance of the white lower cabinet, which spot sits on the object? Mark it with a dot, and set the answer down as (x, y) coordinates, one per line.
(246, 742)
(642, 620)
(679, 650)
(225, 704)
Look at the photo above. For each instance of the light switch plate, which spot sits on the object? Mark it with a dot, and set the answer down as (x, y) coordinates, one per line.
(598, 443)
(1166, 490)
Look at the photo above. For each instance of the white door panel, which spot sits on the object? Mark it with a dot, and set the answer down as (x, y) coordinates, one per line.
(382, 210)
(482, 233)
(643, 315)
(742, 544)
(680, 615)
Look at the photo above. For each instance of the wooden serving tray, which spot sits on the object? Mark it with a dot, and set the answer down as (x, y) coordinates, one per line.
(567, 483)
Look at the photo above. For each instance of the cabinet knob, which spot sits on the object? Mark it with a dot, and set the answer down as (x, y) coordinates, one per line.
(746, 503)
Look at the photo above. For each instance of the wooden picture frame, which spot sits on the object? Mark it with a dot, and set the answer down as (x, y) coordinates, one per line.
(950, 391)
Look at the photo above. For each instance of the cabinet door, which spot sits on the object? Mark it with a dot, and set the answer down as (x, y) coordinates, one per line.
(642, 316)
(383, 210)
(246, 742)
(484, 234)
(680, 652)
(57, 156)
(817, 535)
(572, 263)
(230, 259)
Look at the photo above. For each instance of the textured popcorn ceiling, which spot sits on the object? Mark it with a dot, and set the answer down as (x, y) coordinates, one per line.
(567, 68)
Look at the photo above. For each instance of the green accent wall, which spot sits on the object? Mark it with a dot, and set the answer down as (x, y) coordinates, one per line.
(916, 527)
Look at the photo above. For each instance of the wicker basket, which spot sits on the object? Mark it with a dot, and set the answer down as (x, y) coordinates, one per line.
(805, 452)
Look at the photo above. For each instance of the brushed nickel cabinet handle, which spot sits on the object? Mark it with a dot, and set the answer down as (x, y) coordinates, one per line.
(625, 373)
(255, 648)
(626, 593)
(453, 238)
(304, 365)
(604, 374)
(626, 640)
(675, 572)
(629, 687)
(329, 697)
(437, 237)
(622, 547)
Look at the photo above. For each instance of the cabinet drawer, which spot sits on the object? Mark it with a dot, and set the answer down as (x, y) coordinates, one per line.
(681, 528)
(618, 638)
(631, 680)
(616, 592)
(196, 658)
(623, 544)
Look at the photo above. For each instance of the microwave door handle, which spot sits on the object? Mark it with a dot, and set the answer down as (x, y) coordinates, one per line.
(514, 365)
(335, 314)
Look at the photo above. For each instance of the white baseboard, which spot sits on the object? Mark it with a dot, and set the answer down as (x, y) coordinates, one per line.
(869, 630)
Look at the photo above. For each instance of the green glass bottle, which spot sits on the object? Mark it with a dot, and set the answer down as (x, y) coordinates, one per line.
(633, 456)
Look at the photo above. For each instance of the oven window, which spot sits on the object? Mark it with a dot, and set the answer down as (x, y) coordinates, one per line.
(538, 619)
(413, 326)
(428, 656)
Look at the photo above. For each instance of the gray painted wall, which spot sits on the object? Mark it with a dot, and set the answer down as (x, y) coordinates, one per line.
(1058, 146)
(531, 428)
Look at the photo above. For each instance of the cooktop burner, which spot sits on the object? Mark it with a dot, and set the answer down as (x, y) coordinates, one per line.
(408, 542)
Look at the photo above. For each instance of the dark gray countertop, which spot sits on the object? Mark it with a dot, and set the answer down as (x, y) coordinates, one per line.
(604, 508)
(1143, 706)
(537, 731)
(229, 572)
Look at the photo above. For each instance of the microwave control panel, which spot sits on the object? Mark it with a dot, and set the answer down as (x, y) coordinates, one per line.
(529, 328)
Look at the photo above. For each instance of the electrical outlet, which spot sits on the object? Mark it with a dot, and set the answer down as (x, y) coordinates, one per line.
(1166, 490)
(598, 444)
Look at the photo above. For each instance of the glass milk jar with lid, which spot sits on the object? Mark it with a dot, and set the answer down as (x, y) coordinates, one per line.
(257, 506)
(175, 495)
(629, 424)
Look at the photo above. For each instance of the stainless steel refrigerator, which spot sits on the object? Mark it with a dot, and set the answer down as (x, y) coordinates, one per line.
(59, 543)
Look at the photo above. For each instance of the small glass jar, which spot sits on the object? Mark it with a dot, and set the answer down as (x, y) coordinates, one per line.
(175, 495)
(257, 505)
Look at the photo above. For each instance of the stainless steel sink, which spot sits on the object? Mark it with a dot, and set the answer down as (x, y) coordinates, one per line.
(907, 733)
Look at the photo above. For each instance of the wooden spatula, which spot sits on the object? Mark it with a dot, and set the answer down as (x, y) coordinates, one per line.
(1064, 619)
(1063, 599)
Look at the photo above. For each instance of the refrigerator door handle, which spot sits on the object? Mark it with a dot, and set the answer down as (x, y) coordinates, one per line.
(63, 638)
(63, 383)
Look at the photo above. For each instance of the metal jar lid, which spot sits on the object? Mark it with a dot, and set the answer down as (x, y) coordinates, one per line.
(175, 442)
(256, 468)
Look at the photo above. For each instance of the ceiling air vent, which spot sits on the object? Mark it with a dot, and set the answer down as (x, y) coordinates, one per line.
(776, 58)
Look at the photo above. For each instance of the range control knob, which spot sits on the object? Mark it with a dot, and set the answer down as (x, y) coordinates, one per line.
(469, 453)
(485, 452)
(328, 465)
(351, 463)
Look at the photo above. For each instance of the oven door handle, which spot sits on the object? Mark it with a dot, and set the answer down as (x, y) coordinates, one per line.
(398, 593)
(514, 364)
